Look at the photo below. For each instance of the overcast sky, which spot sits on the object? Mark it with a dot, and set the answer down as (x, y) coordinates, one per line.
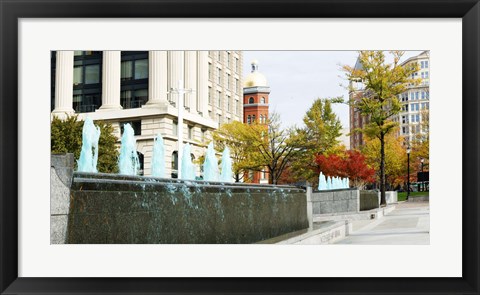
(297, 78)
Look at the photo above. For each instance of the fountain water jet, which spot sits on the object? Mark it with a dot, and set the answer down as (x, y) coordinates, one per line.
(89, 154)
(158, 157)
(322, 183)
(210, 166)
(188, 169)
(226, 174)
(128, 162)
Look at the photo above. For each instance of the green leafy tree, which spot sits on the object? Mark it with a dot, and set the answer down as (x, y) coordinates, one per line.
(318, 136)
(256, 146)
(395, 158)
(66, 137)
(234, 135)
(383, 83)
(273, 147)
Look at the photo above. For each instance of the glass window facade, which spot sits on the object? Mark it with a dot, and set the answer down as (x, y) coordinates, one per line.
(134, 79)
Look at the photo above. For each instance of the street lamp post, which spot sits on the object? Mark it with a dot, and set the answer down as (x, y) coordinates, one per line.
(181, 91)
(408, 171)
(423, 185)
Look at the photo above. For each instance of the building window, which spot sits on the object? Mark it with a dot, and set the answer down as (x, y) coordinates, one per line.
(228, 81)
(219, 78)
(249, 119)
(136, 126)
(426, 64)
(250, 100)
(237, 88)
(237, 68)
(87, 82)
(134, 79)
(262, 100)
(210, 72)
(209, 95)
(404, 119)
(134, 69)
(228, 59)
(228, 103)
(426, 75)
(219, 118)
(219, 99)
(219, 55)
(253, 118)
(175, 128)
(175, 164)
(133, 98)
(235, 106)
(204, 131)
(190, 132)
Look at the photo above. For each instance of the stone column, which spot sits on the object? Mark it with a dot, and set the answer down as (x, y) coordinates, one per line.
(191, 80)
(309, 206)
(202, 82)
(175, 72)
(157, 79)
(64, 84)
(111, 80)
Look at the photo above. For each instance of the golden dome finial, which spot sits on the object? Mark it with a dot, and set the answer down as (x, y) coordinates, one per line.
(255, 78)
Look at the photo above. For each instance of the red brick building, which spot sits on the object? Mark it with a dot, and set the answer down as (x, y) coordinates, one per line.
(255, 109)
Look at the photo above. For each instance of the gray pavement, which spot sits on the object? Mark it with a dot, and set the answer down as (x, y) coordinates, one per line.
(408, 224)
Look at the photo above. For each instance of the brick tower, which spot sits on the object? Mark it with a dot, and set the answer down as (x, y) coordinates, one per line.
(255, 109)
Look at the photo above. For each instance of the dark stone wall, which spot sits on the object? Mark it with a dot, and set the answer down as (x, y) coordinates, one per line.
(106, 208)
(369, 200)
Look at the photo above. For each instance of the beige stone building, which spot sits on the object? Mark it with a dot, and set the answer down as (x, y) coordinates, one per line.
(413, 119)
(415, 101)
(135, 87)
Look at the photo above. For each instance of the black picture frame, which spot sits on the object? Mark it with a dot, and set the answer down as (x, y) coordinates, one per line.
(11, 11)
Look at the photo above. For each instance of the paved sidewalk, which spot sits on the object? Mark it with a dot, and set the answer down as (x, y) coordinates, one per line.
(408, 224)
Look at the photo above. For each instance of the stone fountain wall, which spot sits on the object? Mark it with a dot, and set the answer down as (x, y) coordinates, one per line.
(107, 208)
(335, 201)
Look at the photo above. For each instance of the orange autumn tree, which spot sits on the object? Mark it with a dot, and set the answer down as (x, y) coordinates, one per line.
(351, 164)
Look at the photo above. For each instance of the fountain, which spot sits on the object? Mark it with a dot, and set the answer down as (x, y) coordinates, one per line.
(322, 183)
(128, 162)
(210, 166)
(188, 169)
(226, 174)
(89, 153)
(158, 157)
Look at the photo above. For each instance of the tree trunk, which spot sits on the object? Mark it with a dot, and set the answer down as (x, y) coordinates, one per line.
(237, 177)
(271, 178)
(383, 201)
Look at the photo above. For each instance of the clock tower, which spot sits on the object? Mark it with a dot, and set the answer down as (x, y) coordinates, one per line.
(255, 109)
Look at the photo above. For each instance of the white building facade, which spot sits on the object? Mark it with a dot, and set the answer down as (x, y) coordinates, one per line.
(416, 101)
(134, 87)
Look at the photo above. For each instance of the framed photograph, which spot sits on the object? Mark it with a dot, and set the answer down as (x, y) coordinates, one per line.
(133, 224)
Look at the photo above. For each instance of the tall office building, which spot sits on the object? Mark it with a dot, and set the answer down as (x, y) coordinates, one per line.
(415, 102)
(135, 87)
(415, 105)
